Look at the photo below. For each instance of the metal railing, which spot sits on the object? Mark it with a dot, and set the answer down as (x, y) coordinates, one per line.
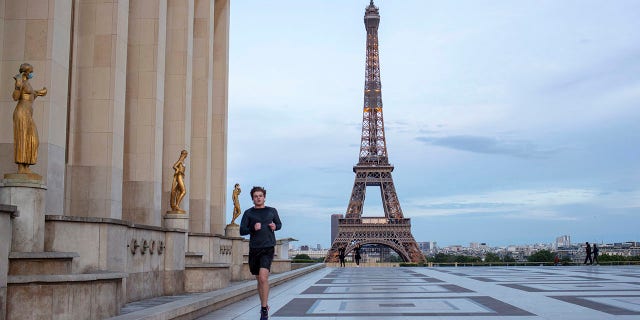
(374, 221)
(481, 264)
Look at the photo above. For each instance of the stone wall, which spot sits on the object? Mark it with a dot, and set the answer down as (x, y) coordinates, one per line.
(215, 249)
(153, 257)
(6, 212)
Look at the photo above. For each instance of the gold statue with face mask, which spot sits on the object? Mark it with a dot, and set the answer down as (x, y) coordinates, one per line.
(178, 190)
(25, 133)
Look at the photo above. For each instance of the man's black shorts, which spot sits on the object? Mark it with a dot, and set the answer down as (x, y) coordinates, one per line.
(260, 258)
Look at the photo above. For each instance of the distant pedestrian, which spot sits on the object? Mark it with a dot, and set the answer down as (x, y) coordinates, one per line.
(556, 260)
(595, 253)
(341, 256)
(588, 252)
(357, 255)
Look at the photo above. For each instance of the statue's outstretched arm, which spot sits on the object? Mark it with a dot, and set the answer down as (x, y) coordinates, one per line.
(41, 92)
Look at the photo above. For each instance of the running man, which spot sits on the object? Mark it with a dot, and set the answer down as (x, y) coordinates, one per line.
(260, 223)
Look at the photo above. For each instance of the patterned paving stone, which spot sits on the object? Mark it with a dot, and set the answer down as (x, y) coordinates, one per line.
(616, 305)
(576, 286)
(469, 293)
(520, 278)
(388, 289)
(414, 307)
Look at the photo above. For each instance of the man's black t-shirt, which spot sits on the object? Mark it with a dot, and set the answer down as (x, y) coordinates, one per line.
(264, 237)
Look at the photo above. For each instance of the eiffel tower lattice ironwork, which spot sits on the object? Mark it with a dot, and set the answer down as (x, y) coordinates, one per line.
(373, 169)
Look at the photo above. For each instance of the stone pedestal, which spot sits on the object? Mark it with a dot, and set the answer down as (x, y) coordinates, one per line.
(237, 251)
(176, 220)
(282, 247)
(237, 259)
(7, 213)
(232, 230)
(27, 193)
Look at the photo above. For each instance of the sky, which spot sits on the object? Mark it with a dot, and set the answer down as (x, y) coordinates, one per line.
(508, 122)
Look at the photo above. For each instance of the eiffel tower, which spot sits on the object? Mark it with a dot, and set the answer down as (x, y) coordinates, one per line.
(373, 169)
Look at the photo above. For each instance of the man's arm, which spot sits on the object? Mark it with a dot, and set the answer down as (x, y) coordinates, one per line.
(276, 220)
(245, 229)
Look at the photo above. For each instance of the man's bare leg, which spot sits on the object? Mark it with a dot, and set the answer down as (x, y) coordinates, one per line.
(263, 286)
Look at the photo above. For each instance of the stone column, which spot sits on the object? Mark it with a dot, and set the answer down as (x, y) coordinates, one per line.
(220, 114)
(201, 113)
(96, 144)
(142, 186)
(6, 213)
(177, 94)
(37, 32)
(28, 226)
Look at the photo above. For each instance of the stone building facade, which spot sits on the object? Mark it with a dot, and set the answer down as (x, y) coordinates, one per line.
(130, 84)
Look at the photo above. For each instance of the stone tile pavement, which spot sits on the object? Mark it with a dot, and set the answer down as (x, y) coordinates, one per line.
(581, 292)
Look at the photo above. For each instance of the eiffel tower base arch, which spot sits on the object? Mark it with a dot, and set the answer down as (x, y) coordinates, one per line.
(392, 233)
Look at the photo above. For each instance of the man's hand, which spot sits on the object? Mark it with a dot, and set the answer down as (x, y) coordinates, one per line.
(272, 226)
(257, 226)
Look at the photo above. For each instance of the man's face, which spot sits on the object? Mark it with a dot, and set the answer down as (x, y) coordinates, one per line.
(258, 199)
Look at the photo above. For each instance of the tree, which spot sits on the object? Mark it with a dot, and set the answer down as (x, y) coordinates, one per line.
(466, 259)
(508, 258)
(394, 258)
(302, 256)
(442, 258)
(617, 257)
(491, 257)
(542, 256)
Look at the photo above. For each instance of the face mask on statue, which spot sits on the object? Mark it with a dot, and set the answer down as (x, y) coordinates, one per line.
(30, 75)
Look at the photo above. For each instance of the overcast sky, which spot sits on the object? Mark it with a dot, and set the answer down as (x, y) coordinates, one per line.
(508, 122)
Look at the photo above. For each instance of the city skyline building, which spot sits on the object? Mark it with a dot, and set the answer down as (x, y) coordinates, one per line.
(563, 241)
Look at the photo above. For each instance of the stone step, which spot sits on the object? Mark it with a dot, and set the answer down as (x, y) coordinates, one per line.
(196, 305)
(41, 263)
(69, 296)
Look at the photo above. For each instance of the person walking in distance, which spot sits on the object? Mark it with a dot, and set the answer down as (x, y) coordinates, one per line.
(341, 256)
(588, 256)
(357, 255)
(595, 254)
(260, 223)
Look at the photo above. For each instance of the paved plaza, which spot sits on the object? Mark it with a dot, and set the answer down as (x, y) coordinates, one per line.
(583, 292)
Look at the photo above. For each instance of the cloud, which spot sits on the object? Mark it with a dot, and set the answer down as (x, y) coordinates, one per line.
(609, 73)
(532, 204)
(478, 144)
(308, 209)
(545, 113)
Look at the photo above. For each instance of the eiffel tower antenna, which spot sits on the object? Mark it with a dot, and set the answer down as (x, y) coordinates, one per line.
(373, 169)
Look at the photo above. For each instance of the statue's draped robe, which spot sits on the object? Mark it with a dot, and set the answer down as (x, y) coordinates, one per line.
(25, 134)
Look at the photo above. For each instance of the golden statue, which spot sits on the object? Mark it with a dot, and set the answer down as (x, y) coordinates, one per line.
(178, 190)
(25, 133)
(236, 203)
